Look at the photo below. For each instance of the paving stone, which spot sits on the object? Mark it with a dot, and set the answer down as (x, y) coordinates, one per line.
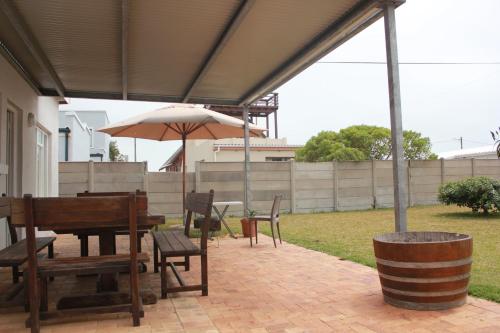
(261, 289)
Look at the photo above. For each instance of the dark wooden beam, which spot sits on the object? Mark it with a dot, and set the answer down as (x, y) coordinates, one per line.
(358, 18)
(124, 59)
(225, 36)
(31, 43)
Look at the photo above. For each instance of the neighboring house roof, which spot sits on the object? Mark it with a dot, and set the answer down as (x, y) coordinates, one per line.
(469, 152)
(171, 160)
(104, 112)
(233, 146)
(258, 147)
(81, 123)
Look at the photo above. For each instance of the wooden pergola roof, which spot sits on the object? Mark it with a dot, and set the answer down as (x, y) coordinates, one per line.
(227, 52)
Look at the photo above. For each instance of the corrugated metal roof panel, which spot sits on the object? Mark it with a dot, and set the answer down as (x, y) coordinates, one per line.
(82, 40)
(272, 32)
(169, 40)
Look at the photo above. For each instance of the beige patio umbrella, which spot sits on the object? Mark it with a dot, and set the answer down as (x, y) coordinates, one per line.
(181, 122)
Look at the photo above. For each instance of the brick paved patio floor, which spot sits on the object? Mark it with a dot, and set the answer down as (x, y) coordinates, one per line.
(261, 289)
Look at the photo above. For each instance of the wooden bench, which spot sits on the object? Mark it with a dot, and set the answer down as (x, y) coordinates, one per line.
(178, 244)
(82, 213)
(16, 254)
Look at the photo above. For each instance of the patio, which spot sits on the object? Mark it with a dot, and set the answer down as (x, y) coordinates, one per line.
(262, 289)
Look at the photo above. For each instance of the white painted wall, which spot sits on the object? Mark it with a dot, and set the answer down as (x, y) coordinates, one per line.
(16, 95)
(96, 119)
(79, 137)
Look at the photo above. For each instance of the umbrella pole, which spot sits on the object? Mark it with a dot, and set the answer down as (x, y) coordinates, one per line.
(183, 179)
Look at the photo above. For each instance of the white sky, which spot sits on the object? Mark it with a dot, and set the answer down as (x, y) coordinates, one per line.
(442, 102)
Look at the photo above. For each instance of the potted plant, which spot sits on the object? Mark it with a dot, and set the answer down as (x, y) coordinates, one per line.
(424, 270)
(247, 228)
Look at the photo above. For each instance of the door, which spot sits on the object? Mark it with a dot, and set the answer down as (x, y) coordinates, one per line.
(42, 163)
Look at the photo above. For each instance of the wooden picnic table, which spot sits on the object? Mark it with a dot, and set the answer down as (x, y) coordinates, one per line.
(109, 282)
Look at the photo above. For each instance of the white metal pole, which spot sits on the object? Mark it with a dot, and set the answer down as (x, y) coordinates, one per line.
(135, 150)
(398, 162)
(247, 193)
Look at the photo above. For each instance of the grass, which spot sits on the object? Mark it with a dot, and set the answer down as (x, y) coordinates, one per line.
(348, 235)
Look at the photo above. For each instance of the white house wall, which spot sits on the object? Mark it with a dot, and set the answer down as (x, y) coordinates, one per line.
(79, 141)
(96, 120)
(16, 95)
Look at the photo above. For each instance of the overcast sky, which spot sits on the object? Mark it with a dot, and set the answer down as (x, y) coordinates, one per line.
(442, 102)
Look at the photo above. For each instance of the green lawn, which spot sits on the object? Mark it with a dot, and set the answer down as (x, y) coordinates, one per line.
(349, 235)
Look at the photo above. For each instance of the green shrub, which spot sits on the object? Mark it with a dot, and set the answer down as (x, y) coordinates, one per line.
(477, 193)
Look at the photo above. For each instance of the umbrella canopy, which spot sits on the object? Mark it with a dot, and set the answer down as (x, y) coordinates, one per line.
(179, 121)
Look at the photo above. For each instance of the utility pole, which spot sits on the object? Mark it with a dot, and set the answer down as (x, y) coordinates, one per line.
(461, 143)
(399, 170)
(135, 150)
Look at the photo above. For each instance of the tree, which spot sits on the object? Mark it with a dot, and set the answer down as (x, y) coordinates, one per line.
(373, 141)
(114, 153)
(416, 147)
(496, 138)
(362, 142)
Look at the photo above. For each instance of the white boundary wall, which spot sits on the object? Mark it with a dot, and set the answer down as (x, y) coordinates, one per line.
(305, 187)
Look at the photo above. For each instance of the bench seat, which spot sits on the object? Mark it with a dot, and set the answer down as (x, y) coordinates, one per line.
(16, 254)
(174, 243)
(88, 265)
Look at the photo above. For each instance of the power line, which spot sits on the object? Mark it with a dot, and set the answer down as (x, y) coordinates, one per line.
(480, 143)
(407, 63)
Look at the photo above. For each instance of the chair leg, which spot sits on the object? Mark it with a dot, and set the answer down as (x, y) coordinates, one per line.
(187, 263)
(256, 232)
(139, 244)
(272, 232)
(84, 245)
(50, 250)
(204, 275)
(44, 297)
(15, 274)
(163, 276)
(26, 291)
(155, 256)
(34, 301)
(134, 292)
(251, 243)
(279, 233)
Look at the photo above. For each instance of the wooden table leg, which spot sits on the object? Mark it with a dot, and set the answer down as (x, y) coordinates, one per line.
(107, 282)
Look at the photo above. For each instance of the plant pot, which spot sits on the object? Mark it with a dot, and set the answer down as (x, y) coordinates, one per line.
(424, 270)
(247, 228)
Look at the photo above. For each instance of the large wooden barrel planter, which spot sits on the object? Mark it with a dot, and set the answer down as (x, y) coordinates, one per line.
(424, 270)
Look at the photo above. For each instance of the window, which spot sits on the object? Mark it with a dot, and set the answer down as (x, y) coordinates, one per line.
(42, 163)
(10, 151)
(277, 159)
